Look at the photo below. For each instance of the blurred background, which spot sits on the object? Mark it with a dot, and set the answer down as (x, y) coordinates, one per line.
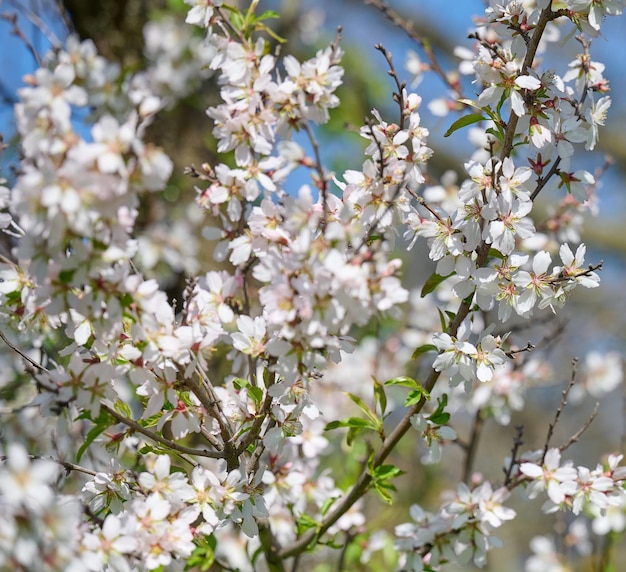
(595, 320)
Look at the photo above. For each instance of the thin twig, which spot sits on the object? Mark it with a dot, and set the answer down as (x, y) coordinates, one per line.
(38, 22)
(472, 446)
(65, 464)
(546, 16)
(159, 438)
(398, 96)
(321, 174)
(528, 348)
(407, 26)
(23, 355)
(576, 436)
(365, 478)
(543, 181)
(562, 405)
(67, 20)
(342, 556)
(517, 443)
(17, 31)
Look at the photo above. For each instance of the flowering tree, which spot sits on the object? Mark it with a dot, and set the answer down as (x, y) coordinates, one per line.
(146, 433)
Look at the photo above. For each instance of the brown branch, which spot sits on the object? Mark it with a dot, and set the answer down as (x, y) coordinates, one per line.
(31, 361)
(16, 31)
(576, 436)
(562, 405)
(407, 27)
(472, 446)
(398, 96)
(517, 443)
(542, 181)
(546, 16)
(321, 174)
(159, 438)
(270, 547)
(65, 464)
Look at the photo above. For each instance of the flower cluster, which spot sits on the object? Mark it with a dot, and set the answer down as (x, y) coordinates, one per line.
(216, 409)
(576, 488)
(461, 531)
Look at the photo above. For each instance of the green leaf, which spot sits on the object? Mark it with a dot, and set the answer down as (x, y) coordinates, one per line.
(65, 276)
(103, 422)
(379, 395)
(442, 320)
(382, 489)
(433, 281)
(126, 300)
(386, 472)
(237, 20)
(416, 396)
(146, 449)
(352, 434)
(451, 315)
(494, 253)
(439, 416)
(363, 406)
(425, 348)
(403, 380)
(355, 422)
(240, 383)
(256, 394)
(304, 522)
(496, 133)
(267, 15)
(203, 556)
(123, 409)
(464, 122)
(327, 504)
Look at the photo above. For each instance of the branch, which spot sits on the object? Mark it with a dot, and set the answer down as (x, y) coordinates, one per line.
(321, 174)
(31, 361)
(562, 405)
(407, 26)
(159, 438)
(517, 443)
(472, 446)
(546, 16)
(576, 436)
(398, 96)
(270, 547)
(65, 464)
(16, 31)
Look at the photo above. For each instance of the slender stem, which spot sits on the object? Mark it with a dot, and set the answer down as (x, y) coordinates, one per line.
(65, 464)
(562, 405)
(31, 361)
(255, 430)
(541, 183)
(547, 15)
(321, 174)
(344, 549)
(473, 446)
(407, 26)
(159, 438)
(576, 436)
(517, 443)
(17, 31)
